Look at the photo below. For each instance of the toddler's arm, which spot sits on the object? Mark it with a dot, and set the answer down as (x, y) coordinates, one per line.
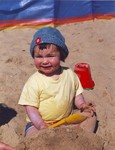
(35, 117)
(79, 100)
(82, 105)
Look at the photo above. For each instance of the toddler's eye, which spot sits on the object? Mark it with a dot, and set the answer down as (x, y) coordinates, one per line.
(51, 56)
(38, 56)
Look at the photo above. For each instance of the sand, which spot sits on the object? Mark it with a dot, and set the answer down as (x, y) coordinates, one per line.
(92, 42)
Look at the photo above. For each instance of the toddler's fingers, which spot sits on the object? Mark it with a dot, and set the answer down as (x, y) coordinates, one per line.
(92, 108)
(88, 113)
(91, 104)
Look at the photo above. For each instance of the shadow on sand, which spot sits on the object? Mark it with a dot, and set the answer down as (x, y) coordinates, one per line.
(6, 114)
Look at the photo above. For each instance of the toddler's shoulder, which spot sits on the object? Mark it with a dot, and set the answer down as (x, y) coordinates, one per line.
(34, 78)
(36, 75)
(68, 71)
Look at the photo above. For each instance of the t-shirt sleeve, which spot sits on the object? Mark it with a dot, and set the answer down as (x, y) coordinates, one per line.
(30, 94)
(79, 88)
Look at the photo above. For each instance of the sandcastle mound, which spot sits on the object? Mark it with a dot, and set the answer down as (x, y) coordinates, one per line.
(62, 138)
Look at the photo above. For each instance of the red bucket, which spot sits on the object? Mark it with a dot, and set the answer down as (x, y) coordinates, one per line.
(84, 74)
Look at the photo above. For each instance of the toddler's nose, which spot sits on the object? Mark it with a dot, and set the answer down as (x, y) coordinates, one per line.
(45, 60)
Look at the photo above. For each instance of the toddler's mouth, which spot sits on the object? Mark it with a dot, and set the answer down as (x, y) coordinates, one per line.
(46, 67)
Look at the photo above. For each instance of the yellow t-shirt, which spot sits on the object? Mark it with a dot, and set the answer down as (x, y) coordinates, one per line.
(52, 96)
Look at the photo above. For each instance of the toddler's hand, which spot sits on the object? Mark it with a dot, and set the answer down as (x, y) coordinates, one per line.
(42, 126)
(88, 107)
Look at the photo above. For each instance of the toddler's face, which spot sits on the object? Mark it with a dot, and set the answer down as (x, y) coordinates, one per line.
(47, 60)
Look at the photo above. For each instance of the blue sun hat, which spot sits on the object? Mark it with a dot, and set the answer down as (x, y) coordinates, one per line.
(49, 35)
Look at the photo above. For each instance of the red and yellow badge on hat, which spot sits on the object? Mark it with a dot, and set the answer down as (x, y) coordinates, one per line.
(38, 40)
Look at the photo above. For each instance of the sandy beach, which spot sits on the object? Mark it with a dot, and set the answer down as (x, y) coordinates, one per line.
(92, 42)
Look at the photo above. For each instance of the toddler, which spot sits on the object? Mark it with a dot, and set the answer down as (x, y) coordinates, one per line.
(49, 94)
